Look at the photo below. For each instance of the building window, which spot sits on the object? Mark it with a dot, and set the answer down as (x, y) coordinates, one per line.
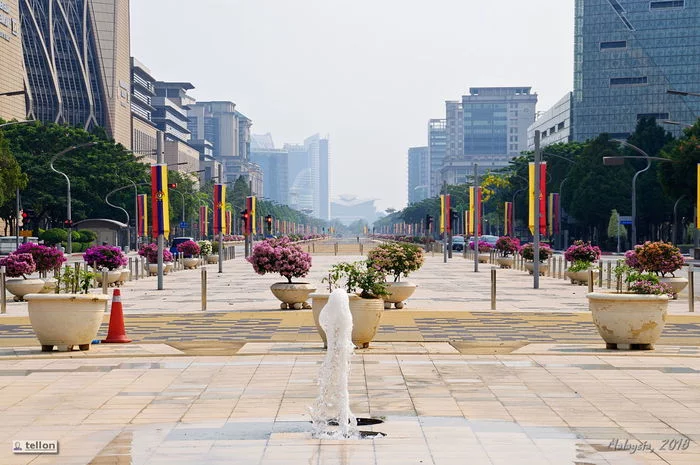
(628, 81)
(613, 44)
(560, 126)
(657, 116)
(671, 4)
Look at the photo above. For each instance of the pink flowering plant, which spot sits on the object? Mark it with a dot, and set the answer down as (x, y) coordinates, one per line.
(46, 258)
(527, 251)
(150, 251)
(640, 282)
(280, 256)
(581, 251)
(105, 256)
(18, 265)
(659, 257)
(189, 249)
(507, 245)
(396, 259)
(484, 247)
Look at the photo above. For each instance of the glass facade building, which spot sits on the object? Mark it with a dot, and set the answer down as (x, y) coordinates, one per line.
(627, 54)
(418, 174)
(437, 149)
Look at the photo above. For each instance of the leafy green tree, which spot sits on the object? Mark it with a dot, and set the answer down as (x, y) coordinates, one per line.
(679, 179)
(11, 175)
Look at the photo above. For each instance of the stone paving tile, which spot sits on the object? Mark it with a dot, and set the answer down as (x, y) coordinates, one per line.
(438, 409)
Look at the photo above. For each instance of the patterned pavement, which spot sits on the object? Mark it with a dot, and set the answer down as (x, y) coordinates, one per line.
(395, 326)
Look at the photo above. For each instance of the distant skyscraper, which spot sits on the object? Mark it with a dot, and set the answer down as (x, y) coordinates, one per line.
(554, 125)
(76, 57)
(308, 175)
(437, 148)
(274, 165)
(418, 174)
(627, 54)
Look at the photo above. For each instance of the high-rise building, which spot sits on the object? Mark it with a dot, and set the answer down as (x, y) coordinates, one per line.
(274, 165)
(143, 129)
(308, 176)
(418, 174)
(318, 158)
(495, 124)
(627, 55)
(554, 124)
(12, 97)
(77, 63)
(437, 149)
(170, 116)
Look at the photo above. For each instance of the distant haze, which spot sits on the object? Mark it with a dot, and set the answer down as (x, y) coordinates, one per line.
(368, 73)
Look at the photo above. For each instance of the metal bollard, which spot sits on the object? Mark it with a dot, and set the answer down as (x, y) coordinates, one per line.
(3, 302)
(591, 281)
(691, 288)
(233, 251)
(609, 273)
(104, 282)
(493, 288)
(362, 251)
(600, 274)
(131, 268)
(204, 288)
(335, 248)
(549, 267)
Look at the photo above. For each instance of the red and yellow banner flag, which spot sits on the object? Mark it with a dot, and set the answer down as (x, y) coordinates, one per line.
(474, 204)
(250, 208)
(219, 208)
(160, 210)
(542, 198)
(508, 223)
(203, 221)
(142, 212)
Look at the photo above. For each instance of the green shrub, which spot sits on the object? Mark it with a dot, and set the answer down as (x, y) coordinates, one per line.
(53, 236)
(85, 235)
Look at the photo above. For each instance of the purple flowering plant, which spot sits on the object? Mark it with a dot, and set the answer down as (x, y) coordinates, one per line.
(658, 257)
(581, 251)
(189, 248)
(105, 256)
(150, 251)
(638, 281)
(527, 251)
(280, 256)
(507, 245)
(45, 258)
(483, 246)
(18, 265)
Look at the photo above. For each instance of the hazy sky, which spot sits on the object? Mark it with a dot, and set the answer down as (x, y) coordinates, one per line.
(368, 73)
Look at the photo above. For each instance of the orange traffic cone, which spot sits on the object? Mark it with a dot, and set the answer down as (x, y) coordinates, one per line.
(116, 332)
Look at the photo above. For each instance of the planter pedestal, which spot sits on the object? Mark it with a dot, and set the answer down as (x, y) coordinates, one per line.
(581, 277)
(366, 314)
(292, 296)
(19, 287)
(628, 321)
(530, 267)
(677, 284)
(398, 293)
(505, 262)
(66, 320)
(190, 263)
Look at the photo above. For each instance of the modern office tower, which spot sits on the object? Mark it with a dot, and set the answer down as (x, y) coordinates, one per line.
(437, 148)
(454, 125)
(143, 129)
(418, 174)
(77, 63)
(318, 157)
(274, 165)
(554, 124)
(216, 122)
(170, 116)
(495, 124)
(12, 97)
(300, 179)
(627, 55)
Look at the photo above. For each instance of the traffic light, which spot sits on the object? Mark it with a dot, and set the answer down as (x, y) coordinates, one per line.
(244, 218)
(268, 221)
(68, 223)
(454, 219)
(27, 218)
(172, 185)
(428, 221)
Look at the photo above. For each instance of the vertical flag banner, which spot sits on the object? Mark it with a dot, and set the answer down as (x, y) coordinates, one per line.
(467, 222)
(508, 228)
(227, 228)
(550, 215)
(472, 205)
(203, 221)
(448, 214)
(542, 198)
(219, 208)
(142, 219)
(442, 213)
(160, 210)
(556, 209)
(250, 207)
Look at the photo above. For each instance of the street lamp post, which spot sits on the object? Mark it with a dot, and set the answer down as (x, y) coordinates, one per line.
(119, 208)
(69, 218)
(618, 160)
